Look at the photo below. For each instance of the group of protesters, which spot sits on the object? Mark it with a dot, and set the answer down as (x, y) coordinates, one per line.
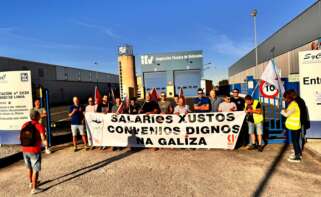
(296, 115)
(251, 134)
(153, 105)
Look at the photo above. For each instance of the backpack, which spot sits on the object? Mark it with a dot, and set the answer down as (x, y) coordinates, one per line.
(28, 135)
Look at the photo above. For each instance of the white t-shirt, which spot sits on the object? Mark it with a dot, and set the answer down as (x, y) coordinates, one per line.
(181, 109)
(91, 108)
(226, 107)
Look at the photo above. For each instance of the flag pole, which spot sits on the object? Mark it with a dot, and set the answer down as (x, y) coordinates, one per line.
(255, 88)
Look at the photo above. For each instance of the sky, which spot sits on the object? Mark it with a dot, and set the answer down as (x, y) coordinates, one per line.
(86, 33)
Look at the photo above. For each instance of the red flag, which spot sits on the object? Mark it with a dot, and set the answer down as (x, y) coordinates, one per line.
(98, 98)
(113, 99)
(181, 94)
(127, 102)
(120, 108)
(153, 95)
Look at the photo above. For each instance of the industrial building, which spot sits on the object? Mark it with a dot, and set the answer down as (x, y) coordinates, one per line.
(127, 72)
(140, 87)
(301, 34)
(168, 72)
(62, 82)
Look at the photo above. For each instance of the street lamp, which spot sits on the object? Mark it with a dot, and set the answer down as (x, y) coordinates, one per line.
(96, 64)
(254, 14)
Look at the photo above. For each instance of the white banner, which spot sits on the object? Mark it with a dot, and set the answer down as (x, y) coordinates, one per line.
(310, 82)
(15, 99)
(194, 130)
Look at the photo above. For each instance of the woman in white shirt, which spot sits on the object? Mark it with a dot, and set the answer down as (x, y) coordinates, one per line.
(181, 108)
(91, 107)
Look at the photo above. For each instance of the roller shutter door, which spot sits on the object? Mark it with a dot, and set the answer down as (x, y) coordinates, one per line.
(189, 80)
(156, 80)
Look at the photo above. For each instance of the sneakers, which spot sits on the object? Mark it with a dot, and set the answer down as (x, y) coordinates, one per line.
(251, 147)
(292, 156)
(35, 191)
(86, 148)
(260, 148)
(294, 160)
(47, 151)
(75, 149)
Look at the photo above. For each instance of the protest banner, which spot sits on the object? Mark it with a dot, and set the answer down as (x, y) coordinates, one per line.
(194, 130)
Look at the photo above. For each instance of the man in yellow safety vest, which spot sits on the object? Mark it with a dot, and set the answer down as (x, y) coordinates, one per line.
(293, 124)
(254, 119)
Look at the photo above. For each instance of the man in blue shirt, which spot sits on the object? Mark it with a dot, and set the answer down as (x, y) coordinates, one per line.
(201, 103)
(76, 113)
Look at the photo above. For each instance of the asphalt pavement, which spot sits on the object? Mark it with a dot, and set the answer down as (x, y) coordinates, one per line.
(168, 172)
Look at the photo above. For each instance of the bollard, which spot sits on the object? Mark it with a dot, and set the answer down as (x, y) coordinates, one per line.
(40, 97)
(48, 117)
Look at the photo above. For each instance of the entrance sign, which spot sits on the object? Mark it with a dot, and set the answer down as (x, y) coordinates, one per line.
(268, 90)
(15, 99)
(310, 82)
(310, 87)
(194, 130)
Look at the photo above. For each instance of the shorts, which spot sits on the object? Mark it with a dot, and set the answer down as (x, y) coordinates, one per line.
(74, 129)
(32, 161)
(259, 128)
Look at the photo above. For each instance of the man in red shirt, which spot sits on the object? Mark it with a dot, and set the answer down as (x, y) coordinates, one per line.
(32, 154)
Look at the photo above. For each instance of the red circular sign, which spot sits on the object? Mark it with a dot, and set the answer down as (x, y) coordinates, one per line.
(268, 90)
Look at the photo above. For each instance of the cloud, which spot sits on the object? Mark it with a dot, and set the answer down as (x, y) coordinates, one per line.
(13, 33)
(223, 44)
(105, 30)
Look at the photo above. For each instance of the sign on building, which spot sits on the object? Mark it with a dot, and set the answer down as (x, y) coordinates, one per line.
(310, 87)
(15, 100)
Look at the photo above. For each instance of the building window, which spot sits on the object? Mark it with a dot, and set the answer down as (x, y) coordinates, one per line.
(41, 72)
(66, 76)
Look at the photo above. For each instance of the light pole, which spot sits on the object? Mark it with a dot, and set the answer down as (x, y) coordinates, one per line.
(96, 64)
(253, 14)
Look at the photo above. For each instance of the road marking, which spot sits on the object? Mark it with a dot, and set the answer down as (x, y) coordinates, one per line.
(62, 112)
(61, 120)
